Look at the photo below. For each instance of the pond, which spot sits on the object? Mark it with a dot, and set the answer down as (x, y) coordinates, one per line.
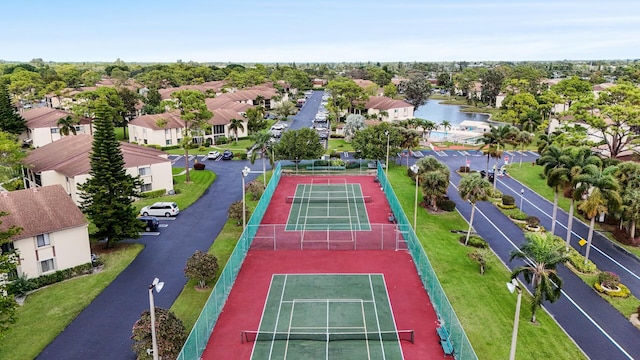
(435, 111)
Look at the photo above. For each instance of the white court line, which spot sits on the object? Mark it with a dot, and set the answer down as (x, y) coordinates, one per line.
(275, 327)
(573, 232)
(563, 292)
(375, 309)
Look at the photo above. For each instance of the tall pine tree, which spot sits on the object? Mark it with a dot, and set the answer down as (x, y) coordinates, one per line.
(108, 194)
(10, 120)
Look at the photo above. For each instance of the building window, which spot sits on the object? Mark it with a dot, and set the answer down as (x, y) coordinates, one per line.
(54, 130)
(168, 142)
(218, 129)
(47, 266)
(145, 141)
(79, 128)
(43, 240)
(144, 171)
(167, 132)
(145, 187)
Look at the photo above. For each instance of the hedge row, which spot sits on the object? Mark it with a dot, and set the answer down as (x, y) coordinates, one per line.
(22, 285)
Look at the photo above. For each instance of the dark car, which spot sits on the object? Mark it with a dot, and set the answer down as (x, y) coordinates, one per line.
(150, 223)
(227, 155)
(490, 176)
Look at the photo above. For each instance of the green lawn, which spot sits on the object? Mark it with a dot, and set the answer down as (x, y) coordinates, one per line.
(339, 145)
(483, 304)
(186, 194)
(48, 311)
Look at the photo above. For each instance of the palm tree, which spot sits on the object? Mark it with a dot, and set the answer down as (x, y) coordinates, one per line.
(473, 188)
(576, 160)
(434, 185)
(602, 189)
(446, 125)
(494, 139)
(542, 255)
(262, 141)
(236, 125)
(410, 139)
(522, 138)
(557, 176)
(427, 126)
(67, 125)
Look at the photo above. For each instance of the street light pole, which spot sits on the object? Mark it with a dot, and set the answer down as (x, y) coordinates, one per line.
(513, 286)
(415, 170)
(386, 169)
(158, 285)
(521, 198)
(245, 172)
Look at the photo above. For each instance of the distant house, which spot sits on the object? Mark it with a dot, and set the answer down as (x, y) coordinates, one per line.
(43, 129)
(54, 232)
(318, 83)
(387, 109)
(66, 163)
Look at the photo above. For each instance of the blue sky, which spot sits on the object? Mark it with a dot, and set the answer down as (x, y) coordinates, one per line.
(319, 31)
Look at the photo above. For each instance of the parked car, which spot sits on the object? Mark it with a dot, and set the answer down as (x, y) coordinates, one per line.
(227, 155)
(150, 223)
(161, 209)
(212, 155)
(278, 126)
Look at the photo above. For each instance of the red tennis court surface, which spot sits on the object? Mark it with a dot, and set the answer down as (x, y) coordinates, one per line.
(242, 311)
(278, 209)
(409, 301)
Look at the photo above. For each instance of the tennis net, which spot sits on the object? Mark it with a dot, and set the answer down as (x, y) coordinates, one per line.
(252, 336)
(328, 200)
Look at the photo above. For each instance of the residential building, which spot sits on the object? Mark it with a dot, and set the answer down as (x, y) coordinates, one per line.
(54, 232)
(43, 128)
(164, 129)
(387, 109)
(66, 162)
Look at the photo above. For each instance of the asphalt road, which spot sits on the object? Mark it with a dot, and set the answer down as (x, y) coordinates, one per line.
(304, 117)
(598, 329)
(103, 329)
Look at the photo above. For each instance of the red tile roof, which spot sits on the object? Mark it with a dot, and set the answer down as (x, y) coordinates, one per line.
(385, 103)
(151, 121)
(45, 117)
(40, 210)
(224, 116)
(70, 156)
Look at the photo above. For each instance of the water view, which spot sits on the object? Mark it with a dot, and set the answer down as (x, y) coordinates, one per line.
(435, 111)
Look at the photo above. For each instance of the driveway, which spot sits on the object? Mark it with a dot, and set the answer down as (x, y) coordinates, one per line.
(103, 329)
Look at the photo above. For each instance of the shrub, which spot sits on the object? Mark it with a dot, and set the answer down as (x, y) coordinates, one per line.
(198, 166)
(20, 286)
(52, 278)
(464, 169)
(336, 136)
(170, 334)
(577, 262)
(481, 256)
(519, 215)
(15, 184)
(222, 140)
(475, 241)
(506, 207)
(255, 188)
(533, 221)
(334, 155)
(235, 212)
(446, 205)
(201, 266)
(495, 193)
(608, 279)
(172, 147)
(243, 156)
(153, 194)
(508, 200)
(623, 291)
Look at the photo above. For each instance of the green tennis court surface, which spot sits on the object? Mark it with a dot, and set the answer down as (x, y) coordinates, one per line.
(328, 207)
(334, 316)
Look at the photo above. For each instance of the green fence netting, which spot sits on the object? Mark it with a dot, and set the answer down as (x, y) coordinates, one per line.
(199, 335)
(441, 304)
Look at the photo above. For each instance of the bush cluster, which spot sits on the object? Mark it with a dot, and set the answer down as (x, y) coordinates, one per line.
(508, 200)
(474, 241)
(608, 279)
(495, 193)
(255, 188)
(172, 147)
(222, 140)
(624, 291)
(198, 166)
(22, 285)
(153, 194)
(337, 136)
(446, 205)
(577, 261)
(533, 221)
(519, 216)
(506, 207)
(464, 169)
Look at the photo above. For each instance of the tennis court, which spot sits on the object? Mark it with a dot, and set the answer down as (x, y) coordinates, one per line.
(327, 316)
(328, 204)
